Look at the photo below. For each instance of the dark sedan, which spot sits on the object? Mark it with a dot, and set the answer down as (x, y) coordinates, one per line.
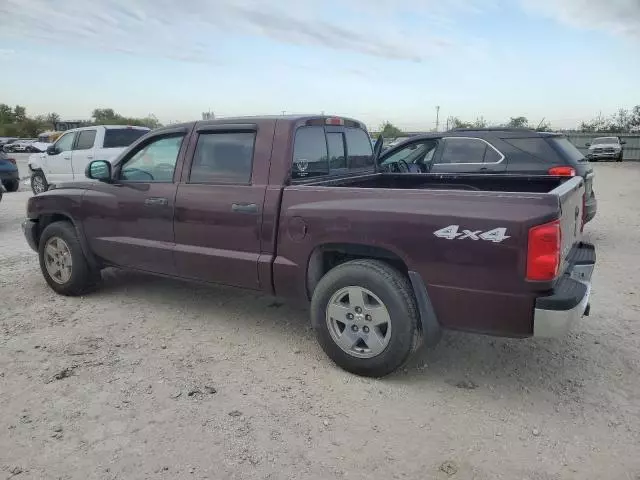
(497, 151)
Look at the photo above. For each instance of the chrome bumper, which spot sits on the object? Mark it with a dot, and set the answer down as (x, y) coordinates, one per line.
(554, 314)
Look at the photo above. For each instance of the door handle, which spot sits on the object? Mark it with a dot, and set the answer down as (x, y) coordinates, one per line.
(66, 157)
(156, 201)
(244, 207)
(89, 157)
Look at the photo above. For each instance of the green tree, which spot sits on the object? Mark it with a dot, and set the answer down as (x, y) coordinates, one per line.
(518, 122)
(389, 130)
(455, 122)
(19, 114)
(6, 114)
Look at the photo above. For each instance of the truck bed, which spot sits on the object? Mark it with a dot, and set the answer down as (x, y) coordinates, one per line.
(475, 283)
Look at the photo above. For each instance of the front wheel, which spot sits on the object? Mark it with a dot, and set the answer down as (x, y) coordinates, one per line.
(365, 317)
(39, 183)
(619, 159)
(62, 261)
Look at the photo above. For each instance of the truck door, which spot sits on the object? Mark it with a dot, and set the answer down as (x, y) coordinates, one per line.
(58, 164)
(219, 204)
(129, 222)
(82, 153)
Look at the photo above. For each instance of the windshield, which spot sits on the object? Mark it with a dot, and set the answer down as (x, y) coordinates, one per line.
(605, 140)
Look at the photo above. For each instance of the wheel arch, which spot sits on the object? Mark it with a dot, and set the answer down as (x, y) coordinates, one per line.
(46, 219)
(327, 256)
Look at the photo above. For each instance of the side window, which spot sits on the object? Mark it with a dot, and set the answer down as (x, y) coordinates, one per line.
(337, 158)
(223, 158)
(86, 139)
(359, 148)
(412, 153)
(154, 161)
(463, 150)
(65, 142)
(310, 156)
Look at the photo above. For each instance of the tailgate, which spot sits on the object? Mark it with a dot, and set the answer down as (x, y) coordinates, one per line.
(570, 196)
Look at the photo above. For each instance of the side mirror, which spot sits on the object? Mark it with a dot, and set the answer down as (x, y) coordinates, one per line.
(587, 144)
(623, 142)
(99, 170)
(52, 150)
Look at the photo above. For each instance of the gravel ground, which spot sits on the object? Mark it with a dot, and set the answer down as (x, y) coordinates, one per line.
(152, 378)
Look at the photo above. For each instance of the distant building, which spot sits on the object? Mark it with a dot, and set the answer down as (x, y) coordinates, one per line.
(208, 116)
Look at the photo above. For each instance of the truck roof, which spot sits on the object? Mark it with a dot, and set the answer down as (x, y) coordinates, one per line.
(293, 119)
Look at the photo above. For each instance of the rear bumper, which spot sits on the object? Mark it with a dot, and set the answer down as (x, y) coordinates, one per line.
(554, 314)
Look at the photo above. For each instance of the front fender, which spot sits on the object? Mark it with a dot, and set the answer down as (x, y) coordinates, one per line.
(37, 161)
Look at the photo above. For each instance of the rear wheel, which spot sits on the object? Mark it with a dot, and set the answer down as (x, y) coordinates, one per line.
(365, 317)
(39, 183)
(62, 261)
(12, 185)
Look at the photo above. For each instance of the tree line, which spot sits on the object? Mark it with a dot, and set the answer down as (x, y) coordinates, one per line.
(623, 121)
(14, 121)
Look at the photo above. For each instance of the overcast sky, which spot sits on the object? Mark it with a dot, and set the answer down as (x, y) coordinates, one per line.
(375, 60)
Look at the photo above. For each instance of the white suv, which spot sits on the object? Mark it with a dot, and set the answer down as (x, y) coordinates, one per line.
(67, 158)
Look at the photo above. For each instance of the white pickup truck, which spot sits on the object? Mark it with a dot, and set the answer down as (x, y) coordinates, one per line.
(67, 158)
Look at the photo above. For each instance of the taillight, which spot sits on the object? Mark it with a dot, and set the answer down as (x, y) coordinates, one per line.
(543, 251)
(334, 121)
(562, 171)
(12, 160)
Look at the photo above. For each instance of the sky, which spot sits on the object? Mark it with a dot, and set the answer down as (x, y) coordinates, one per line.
(375, 60)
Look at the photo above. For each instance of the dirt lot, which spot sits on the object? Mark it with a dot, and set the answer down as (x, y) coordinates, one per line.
(151, 378)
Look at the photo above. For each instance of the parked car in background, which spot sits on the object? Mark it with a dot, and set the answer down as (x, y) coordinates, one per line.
(9, 176)
(66, 159)
(5, 140)
(606, 148)
(294, 206)
(21, 145)
(8, 145)
(493, 151)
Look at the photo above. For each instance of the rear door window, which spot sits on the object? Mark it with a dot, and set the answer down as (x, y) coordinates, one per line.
(122, 137)
(223, 158)
(85, 140)
(463, 150)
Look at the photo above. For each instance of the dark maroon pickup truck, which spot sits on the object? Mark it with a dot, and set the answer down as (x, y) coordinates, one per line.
(294, 207)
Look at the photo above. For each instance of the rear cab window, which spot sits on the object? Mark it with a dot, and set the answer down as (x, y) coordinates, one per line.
(320, 151)
(122, 137)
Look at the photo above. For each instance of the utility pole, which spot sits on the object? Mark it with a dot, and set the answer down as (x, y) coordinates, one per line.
(437, 117)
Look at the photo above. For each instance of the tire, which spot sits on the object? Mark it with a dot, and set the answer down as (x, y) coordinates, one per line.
(619, 159)
(390, 290)
(12, 185)
(81, 278)
(39, 183)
